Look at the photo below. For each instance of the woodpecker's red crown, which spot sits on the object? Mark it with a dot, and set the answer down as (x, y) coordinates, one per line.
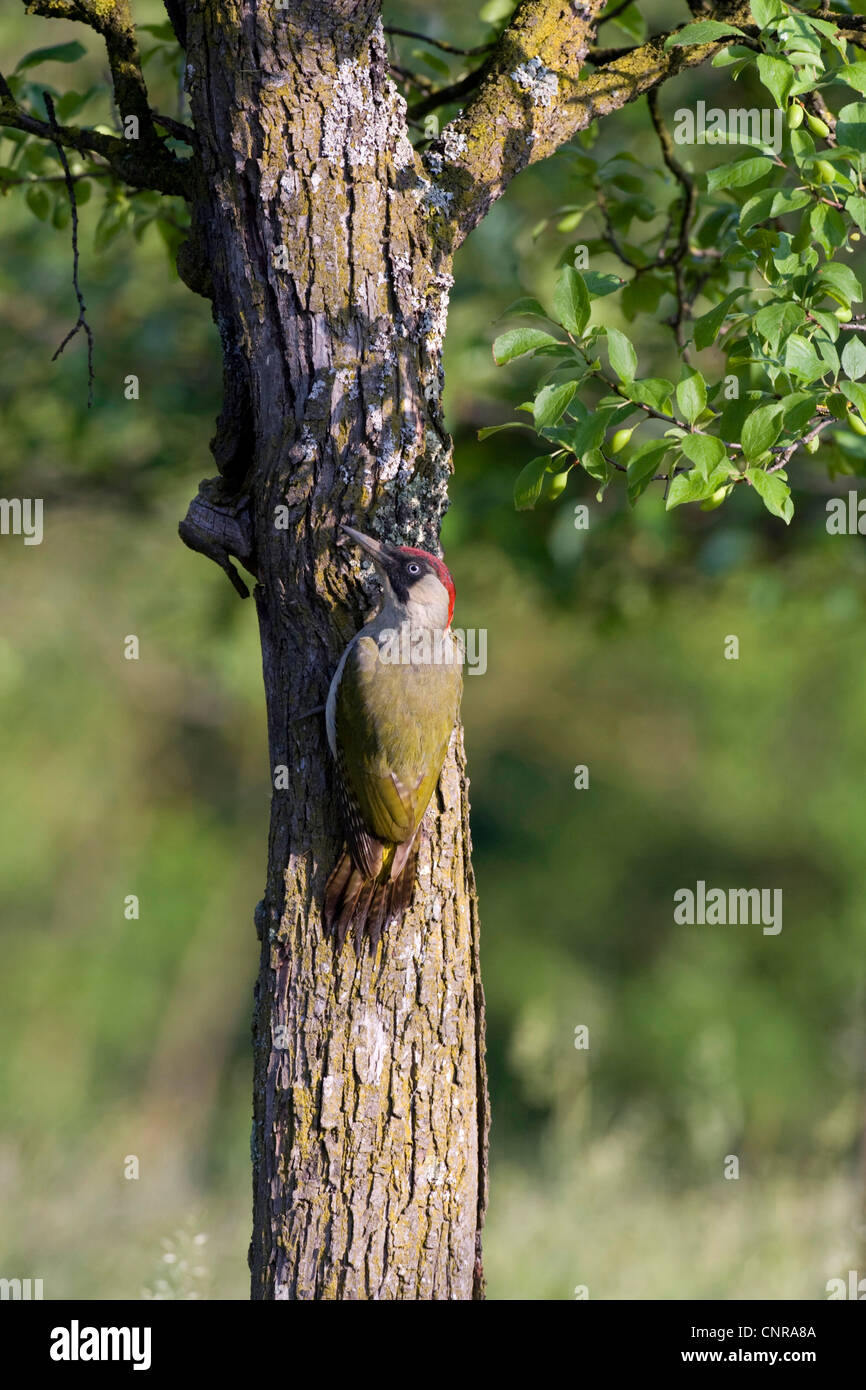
(404, 566)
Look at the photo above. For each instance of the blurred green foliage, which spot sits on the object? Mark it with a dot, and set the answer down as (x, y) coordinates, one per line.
(605, 648)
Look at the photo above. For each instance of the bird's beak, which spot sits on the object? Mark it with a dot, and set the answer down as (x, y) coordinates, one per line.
(374, 548)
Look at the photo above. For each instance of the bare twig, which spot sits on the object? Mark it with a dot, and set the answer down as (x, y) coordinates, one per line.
(413, 79)
(176, 128)
(789, 450)
(156, 169)
(81, 322)
(455, 92)
(689, 197)
(440, 43)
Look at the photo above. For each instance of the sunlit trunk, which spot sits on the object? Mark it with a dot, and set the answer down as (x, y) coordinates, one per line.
(316, 238)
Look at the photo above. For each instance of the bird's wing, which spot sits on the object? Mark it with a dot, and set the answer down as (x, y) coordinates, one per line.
(392, 731)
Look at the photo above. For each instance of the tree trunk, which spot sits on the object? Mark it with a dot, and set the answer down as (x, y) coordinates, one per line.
(318, 237)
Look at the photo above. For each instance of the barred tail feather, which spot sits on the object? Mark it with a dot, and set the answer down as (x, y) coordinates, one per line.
(368, 905)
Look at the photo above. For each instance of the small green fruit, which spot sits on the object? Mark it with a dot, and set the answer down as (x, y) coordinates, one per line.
(817, 126)
(717, 498)
(811, 445)
(824, 171)
(620, 439)
(795, 115)
(557, 485)
(857, 423)
(842, 314)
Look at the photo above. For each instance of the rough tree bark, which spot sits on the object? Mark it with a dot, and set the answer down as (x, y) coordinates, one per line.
(325, 243)
(329, 284)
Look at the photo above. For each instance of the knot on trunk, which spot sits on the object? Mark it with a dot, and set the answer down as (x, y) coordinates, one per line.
(220, 527)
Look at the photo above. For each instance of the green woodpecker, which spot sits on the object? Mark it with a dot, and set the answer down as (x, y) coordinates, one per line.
(390, 712)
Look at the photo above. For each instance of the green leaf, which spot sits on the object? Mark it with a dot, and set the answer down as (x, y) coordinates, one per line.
(571, 306)
(756, 209)
(529, 482)
(550, 403)
(38, 201)
(632, 21)
(778, 319)
(113, 218)
(856, 209)
(765, 11)
(654, 391)
(599, 285)
(838, 278)
(71, 103)
(761, 430)
(707, 327)
(801, 360)
(773, 491)
(737, 175)
(525, 305)
(851, 126)
(691, 487)
(734, 414)
(518, 341)
(596, 465)
(623, 358)
(591, 431)
(692, 396)
(854, 358)
(772, 203)
(486, 432)
(856, 394)
(494, 10)
(797, 409)
(854, 74)
(642, 295)
(777, 76)
(643, 466)
(165, 32)
(705, 450)
(704, 31)
(789, 200)
(57, 53)
(828, 228)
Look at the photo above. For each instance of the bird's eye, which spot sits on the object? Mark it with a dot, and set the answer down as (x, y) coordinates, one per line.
(413, 568)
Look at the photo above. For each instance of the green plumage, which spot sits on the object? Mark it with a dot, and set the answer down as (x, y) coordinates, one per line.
(391, 708)
(393, 724)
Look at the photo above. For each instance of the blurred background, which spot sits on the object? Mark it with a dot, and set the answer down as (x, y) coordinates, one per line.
(605, 648)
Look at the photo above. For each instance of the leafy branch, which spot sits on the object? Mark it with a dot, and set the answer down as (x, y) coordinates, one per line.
(144, 162)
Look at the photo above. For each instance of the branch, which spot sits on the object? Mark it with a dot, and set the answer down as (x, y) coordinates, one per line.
(689, 199)
(532, 98)
(158, 169)
(176, 11)
(440, 43)
(142, 163)
(112, 19)
(456, 91)
(81, 321)
(175, 128)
